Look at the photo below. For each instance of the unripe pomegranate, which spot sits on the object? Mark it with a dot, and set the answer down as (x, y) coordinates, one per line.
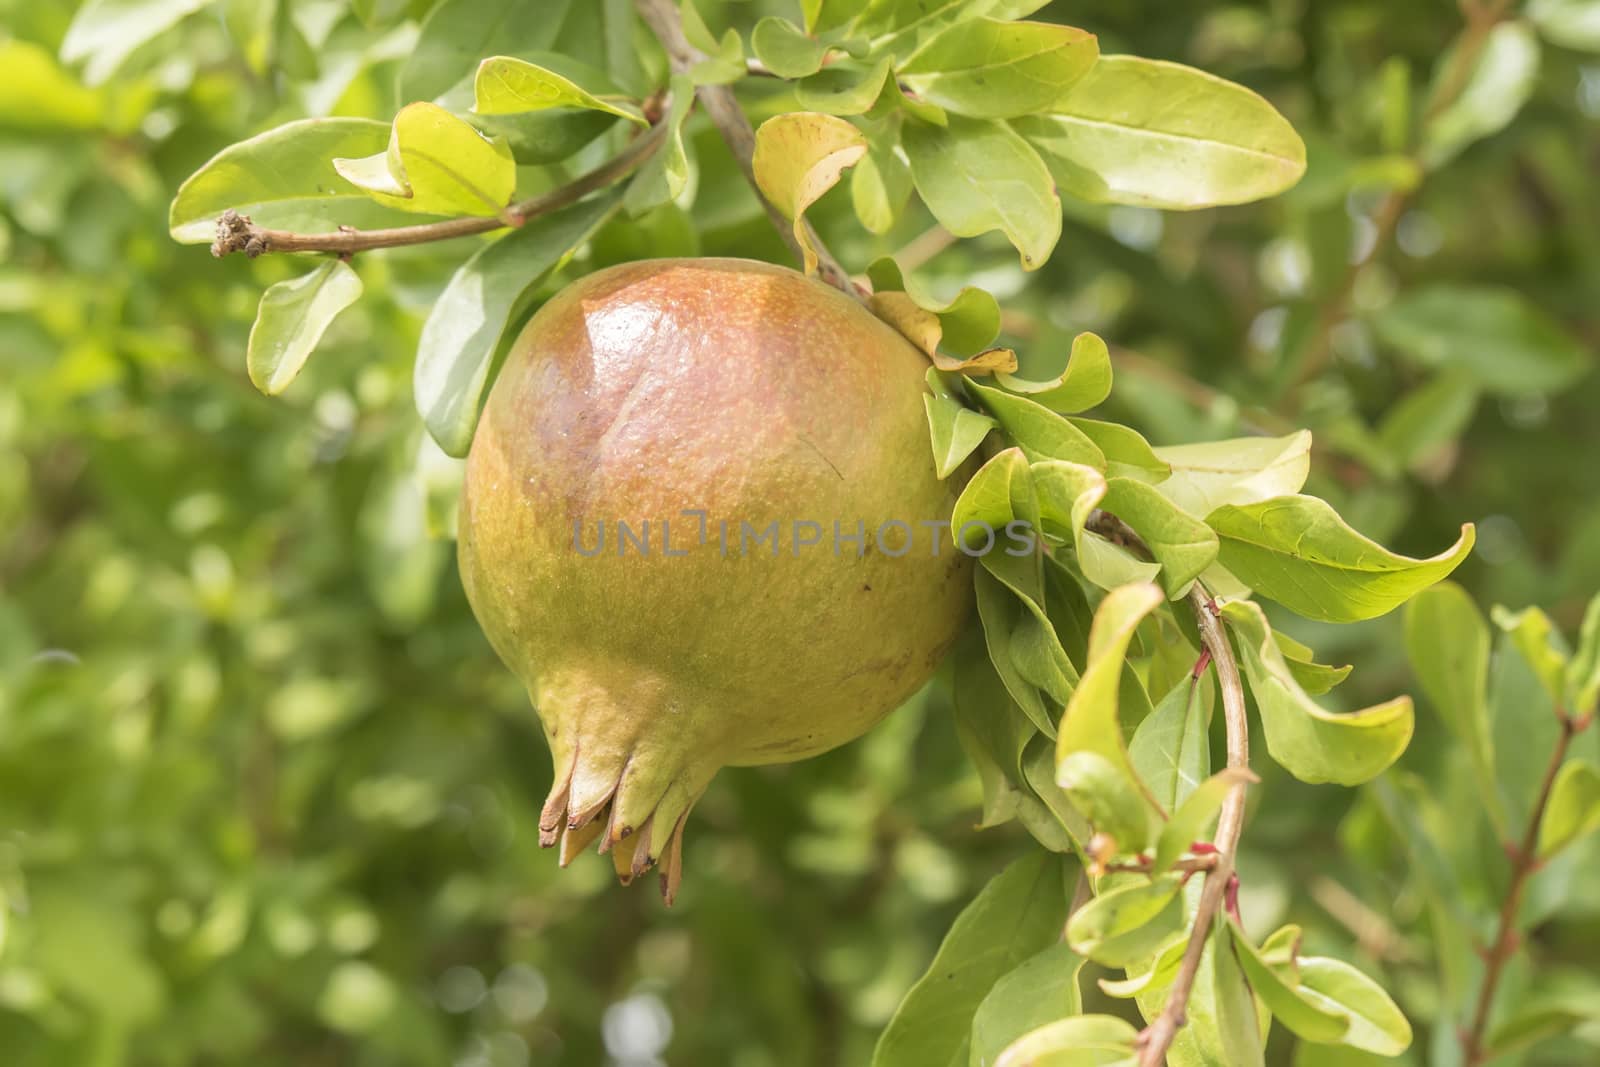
(650, 426)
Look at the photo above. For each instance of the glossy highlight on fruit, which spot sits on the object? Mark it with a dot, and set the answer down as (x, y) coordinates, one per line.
(699, 402)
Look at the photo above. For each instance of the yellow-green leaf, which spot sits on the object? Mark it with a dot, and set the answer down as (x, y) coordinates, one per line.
(292, 318)
(436, 163)
(1309, 742)
(1159, 134)
(992, 69)
(977, 175)
(1574, 810)
(505, 85)
(1092, 722)
(1298, 551)
(1082, 384)
(798, 157)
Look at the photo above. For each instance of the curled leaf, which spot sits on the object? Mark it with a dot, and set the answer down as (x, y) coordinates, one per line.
(1313, 744)
(798, 157)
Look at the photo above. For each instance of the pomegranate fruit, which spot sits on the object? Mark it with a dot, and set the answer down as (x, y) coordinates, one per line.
(701, 523)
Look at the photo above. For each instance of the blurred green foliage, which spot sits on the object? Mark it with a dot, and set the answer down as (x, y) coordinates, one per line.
(266, 796)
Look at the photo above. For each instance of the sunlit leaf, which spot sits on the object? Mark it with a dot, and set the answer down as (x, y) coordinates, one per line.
(992, 69)
(505, 85)
(977, 175)
(437, 164)
(1182, 544)
(1159, 134)
(1574, 809)
(1305, 1015)
(292, 318)
(1038, 431)
(799, 156)
(1541, 645)
(283, 179)
(104, 33)
(1376, 1024)
(1092, 721)
(1242, 471)
(1298, 551)
(1081, 1041)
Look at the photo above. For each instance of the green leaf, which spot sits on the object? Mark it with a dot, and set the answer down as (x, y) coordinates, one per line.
(1495, 335)
(664, 174)
(977, 176)
(1568, 23)
(799, 156)
(468, 321)
(1183, 545)
(104, 33)
(1429, 417)
(844, 88)
(1315, 678)
(1092, 722)
(1448, 644)
(1503, 78)
(283, 180)
(1304, 1015)
(1068, 494)
(1123, 925)
(880, 186)
(458, 33)
(1159, 134)
(785, 49)
(1540, 643)
(1128, 454)
(1191, 819)
(955, 429)
(1000, 611)
(1038, 431)
(291, 320)
(437, 164)
(1081, 1041)
(1108, 798)
(1042, 989)
(505, 85)
(1084, 383)
(1161, 972)
(1017, 915)
(998, 70)
(1574, 810)
(1298, 551)
(907, 24)
(1171, 749)
(1312, 744)
(823, 15)
(1245, 470)
(992, 728)
(1376, 1025)
(1541, 1014)
(1583, 673)
(968, 323)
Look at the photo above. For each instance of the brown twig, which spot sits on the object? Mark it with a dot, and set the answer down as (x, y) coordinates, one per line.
(1524, 864)
(1482, 16)
(729, 118)
(236, 233)
(1157, 1038)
